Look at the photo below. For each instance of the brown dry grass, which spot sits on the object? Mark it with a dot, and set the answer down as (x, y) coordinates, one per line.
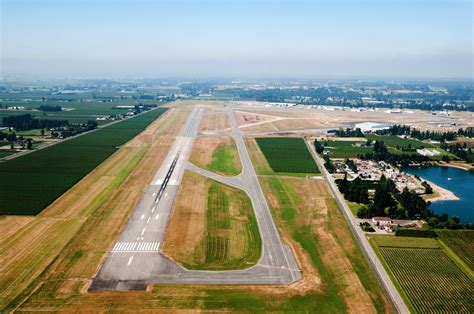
(249, 118)
(188, 219)
(423, 120)
(204, 148)
(95, 208)
(316, 207)
(214, 120)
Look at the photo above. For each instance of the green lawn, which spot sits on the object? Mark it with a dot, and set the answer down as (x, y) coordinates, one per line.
(31, 182)
(225, 160)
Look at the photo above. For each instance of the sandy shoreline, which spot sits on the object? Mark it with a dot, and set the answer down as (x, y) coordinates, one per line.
(453, 165)
(443, 194)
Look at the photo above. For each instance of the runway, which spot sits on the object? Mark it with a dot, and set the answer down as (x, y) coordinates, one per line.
(135, 260)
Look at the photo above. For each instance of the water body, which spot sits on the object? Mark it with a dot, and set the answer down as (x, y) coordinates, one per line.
(458, 181)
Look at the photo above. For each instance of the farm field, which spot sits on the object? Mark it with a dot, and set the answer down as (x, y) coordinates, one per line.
(417, 263)
(450, 290)
(218, 154)
(461, 242)
(212, 227)
(346, 149)
(287, 155)
(60, 245)
(73, 111)
(31, 182)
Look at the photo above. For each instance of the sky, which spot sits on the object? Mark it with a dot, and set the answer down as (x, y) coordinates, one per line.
(237, 39)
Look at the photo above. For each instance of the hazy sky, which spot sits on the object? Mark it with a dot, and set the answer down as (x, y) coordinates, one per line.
(237, 39)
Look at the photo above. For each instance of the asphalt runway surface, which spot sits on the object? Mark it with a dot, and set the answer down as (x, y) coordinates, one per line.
(135, 260)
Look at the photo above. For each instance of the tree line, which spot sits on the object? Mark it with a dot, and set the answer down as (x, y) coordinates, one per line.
(26, 122)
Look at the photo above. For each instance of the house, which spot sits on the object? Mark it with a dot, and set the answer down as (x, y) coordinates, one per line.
(380, 221)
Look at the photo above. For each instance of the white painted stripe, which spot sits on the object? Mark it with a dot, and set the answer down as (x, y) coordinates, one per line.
(140, 246)
(115, 246)
(154, 193)
(148, 220)
(130, 260)
(153, 209)
(157, 216)
(166, 194)
(143, 231)
(143, 216)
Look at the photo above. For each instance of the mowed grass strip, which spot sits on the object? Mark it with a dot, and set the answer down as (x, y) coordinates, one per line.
(405, 242)
(461, 242)
(450, 289)
(31, 182)
(287, 155)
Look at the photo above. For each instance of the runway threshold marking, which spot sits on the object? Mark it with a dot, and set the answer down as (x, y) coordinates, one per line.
(125, 247)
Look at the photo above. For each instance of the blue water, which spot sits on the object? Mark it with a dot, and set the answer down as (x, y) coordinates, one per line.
(461, 184)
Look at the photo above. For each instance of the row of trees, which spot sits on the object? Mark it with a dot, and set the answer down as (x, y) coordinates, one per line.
(427, 135)
(348, 132)
(26, 122)
(461, 151)
(50, 108)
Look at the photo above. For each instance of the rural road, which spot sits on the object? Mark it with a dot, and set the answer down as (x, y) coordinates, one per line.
(374, 261)
(135, 260)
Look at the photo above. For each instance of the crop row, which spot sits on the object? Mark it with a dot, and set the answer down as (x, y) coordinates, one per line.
(31, 182)
(461, 242)
(287, 155)
(431, 280)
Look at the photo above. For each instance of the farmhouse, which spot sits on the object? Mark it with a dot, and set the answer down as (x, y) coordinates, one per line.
(382, 220)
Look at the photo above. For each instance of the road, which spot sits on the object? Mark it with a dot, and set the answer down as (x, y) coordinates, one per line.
(135, 260)
(382, 274)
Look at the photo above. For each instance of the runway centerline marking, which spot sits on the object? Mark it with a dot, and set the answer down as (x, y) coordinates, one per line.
(148, 220)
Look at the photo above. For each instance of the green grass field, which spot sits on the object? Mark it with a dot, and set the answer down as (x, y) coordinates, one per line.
(225, 160)
(31, 182)
(432, 281)
(346, 149)
(232, 239)
(405, 242)
(461, 242)
(287, 155)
